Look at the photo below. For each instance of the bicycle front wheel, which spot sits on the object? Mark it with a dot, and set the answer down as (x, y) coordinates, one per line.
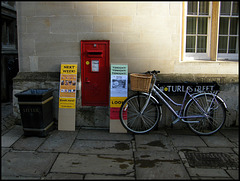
(137, 122)
(210, 122)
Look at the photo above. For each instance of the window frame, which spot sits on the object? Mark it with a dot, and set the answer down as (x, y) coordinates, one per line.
(213, 35)
(9, 41)
(9, 27)
(228, 56)
(196, 56)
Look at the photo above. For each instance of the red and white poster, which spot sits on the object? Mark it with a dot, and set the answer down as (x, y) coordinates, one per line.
(118, 93)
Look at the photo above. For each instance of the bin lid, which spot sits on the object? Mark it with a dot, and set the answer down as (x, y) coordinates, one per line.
(35, 93)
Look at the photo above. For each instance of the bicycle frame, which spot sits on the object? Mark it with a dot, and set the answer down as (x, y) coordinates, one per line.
(158, 92)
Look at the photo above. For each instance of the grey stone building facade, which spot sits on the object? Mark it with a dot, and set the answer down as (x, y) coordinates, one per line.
(146, 35)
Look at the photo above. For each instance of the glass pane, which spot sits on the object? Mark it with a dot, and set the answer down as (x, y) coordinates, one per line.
(9, 3)
(234, 26)
(202, 25)
(203, 7)
(235, 9)
(223, 27)
(191, 25)
(225, 7)
(222, 44)
(192, 8)
(201, 44)
(232, 45)
(190, 44)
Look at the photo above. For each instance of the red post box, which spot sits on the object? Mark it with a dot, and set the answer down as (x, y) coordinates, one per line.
(95, 72)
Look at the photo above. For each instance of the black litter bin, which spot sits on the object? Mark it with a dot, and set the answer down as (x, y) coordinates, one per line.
(36, 111)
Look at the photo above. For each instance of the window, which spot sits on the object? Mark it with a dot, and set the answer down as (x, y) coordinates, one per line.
(9, 4)
(197, 24)
(8, 23)
(210, 30)
(228, 30)
(197, 30)
(8, 34)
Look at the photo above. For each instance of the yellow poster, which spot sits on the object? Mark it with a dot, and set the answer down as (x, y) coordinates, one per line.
(116, 101)
(68, 68)
(68, 84)
(68, 103)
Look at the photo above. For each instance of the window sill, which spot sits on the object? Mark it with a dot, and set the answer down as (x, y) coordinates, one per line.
(209, 61)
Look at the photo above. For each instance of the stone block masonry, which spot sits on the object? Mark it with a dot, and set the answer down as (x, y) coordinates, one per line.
(148, 32)
(146, 35)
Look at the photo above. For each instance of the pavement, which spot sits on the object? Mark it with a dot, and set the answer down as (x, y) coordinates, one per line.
(92, 154)
(7, 117)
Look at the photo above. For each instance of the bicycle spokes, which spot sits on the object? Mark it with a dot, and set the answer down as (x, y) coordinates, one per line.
(141, 117)
(212, 111)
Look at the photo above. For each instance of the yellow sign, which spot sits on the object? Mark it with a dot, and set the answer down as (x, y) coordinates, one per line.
(87, 62)
(68, 83)
(116, 101)
(68, 69)
(67, 103)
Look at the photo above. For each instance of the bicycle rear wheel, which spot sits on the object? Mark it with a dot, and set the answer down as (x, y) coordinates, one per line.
(133, 120)
(210, 123)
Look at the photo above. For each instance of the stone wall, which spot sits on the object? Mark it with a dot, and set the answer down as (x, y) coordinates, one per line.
(146, 35)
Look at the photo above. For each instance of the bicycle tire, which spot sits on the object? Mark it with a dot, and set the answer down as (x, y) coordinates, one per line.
(131, 118)
(216, 114)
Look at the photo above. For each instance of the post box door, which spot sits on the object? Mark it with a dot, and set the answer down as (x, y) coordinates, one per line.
(95, 72)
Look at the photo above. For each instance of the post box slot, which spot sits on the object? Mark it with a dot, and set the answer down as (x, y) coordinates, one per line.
(94, 53)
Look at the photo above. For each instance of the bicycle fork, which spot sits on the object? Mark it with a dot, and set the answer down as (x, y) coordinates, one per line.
(143, 108)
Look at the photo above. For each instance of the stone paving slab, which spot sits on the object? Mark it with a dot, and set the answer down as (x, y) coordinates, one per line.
(209, 173)
(217, 140)
(217, 150)
(102, 134)
(187, 140)
(64, 176)
(231, 134)
(159, 165)
(152, 142)
(58, 141)
(234, 174)
(25, 164)
(107, 177)
(94, 164)
(4, 151)
(11, 136)
(186, 131)
(28, 143)
(101, 147)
